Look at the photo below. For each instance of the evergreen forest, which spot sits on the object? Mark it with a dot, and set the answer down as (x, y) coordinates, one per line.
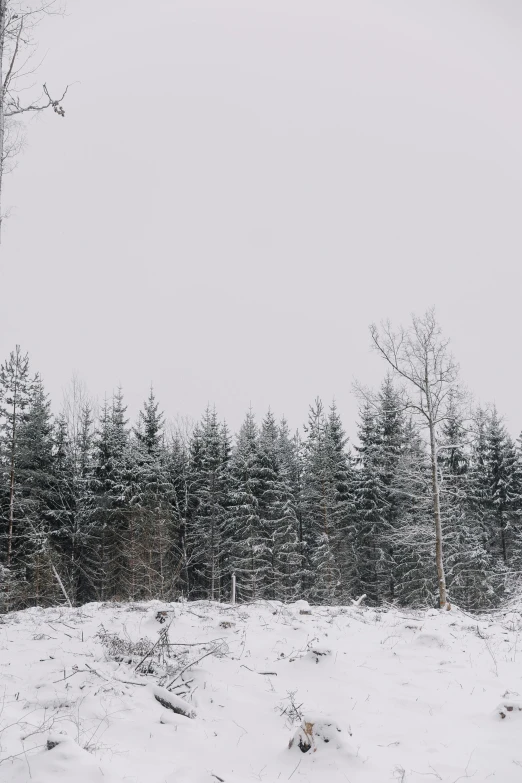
(94, 507)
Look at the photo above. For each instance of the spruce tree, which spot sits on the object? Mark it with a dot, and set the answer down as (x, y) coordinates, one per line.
(342, 478)
(247, 537)
(80, 539)
(473, 580)
(412, 536)
(320, 509)
(150, 535)
(111, 489)
(392, 427)
(180, 478)
(278, 510)
(501, 462)
(378, 504)
(370, 574)
(39, 499)
(211, 497)
(149, 432)
(63, 514)
(15, 397)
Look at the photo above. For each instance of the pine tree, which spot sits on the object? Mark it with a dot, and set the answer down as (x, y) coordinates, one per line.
(516, 558)
(80, 531)
(473, 580)
(412, 536)
(246, 537)
(39, 499)
(182, 479)
(111, 486)
(370, 574)
(392, 428)
(150, 531)
(278, 511)
(342, 478)
(211, 497)
(289, 449)
(15, 396)
(378, 504)
(149, 432)
(501, 462)
(63, 513)
(320, 509)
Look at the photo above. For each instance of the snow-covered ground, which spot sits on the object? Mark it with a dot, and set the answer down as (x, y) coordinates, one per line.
(376, 696)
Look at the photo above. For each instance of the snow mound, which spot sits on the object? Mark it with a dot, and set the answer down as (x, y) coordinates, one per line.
(316, 732)
(317, 653)
(172, 702)
(301, 607)
(509, 709)
(430, 640)
(62, 761)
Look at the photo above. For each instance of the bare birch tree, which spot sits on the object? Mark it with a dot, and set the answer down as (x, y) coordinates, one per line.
(18, 65)
(420, 356)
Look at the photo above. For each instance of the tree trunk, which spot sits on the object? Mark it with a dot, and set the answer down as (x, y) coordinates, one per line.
(62, 588)
(441, 578)
(3, 4)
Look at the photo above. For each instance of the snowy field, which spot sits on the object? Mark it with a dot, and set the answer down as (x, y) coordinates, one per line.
(370, 696)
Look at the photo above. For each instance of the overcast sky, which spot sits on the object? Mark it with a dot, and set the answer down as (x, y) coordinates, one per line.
(240, 188)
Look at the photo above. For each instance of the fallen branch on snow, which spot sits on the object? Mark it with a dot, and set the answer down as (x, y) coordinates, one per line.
(193, 663)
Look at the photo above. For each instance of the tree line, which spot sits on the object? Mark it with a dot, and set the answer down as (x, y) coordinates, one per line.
(93, 508)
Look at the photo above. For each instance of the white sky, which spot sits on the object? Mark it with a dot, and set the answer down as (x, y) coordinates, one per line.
(239, 188)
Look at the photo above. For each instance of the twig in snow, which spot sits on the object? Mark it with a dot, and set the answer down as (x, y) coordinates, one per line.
(400, 773)
(103, 677)
(269, 674)
(16, 755)
(201, 616)
(57, 631)
(194, 644)
(488, 647)
(162, 638)
(113, 679)
(78, 671)
(466, 773)
(242, 729)
(130, 682)
(193, 663)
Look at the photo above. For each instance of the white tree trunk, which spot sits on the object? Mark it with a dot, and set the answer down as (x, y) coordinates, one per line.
(64, 591)
(3, 4)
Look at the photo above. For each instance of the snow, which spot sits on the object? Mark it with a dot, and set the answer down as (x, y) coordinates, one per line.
(377, 695)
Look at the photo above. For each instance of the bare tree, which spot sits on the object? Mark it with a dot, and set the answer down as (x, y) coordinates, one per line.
(18, 64)
(420, 356)
(76, 400)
